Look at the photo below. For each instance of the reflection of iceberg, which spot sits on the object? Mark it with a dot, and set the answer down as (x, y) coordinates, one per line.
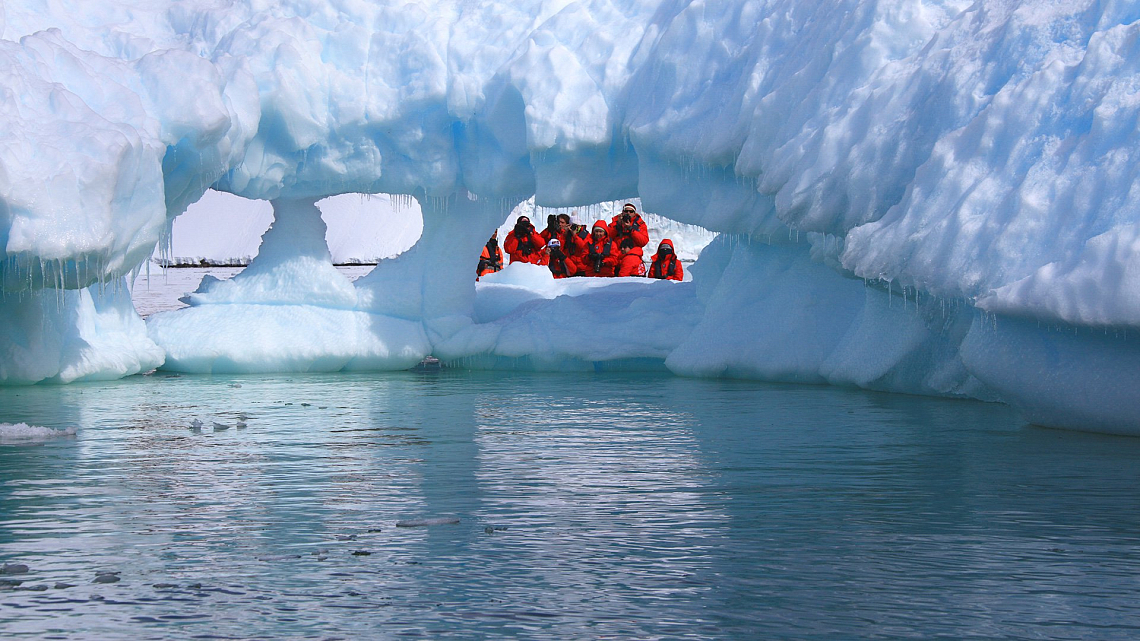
(966, 160)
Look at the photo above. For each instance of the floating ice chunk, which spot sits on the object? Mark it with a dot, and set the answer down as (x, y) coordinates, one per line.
(24, 433)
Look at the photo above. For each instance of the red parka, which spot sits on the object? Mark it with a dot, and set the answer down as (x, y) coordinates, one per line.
(562, 267)
(525, 250)
(666, 267)
(601, 256)
(631, 263)
(636, 230)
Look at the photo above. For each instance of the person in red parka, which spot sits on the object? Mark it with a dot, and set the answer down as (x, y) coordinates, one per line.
(491, 259)
(551, 230)
(665, 264)
(574, 240)
(628, 224)
(600, 257)
(524, 245)
(630, 263)
(561, 265)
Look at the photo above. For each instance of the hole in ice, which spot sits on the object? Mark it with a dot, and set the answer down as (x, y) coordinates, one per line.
(220, 234)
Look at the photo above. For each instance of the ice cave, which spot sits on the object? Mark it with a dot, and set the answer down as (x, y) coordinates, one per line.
(933, 197)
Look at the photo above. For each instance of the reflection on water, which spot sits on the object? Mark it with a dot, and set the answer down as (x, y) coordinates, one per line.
(588, 506)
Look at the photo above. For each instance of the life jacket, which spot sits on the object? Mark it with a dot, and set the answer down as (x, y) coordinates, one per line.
(562, 267)
(599, 258)
(658, 270)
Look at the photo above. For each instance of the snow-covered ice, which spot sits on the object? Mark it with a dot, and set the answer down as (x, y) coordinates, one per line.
(932, 196)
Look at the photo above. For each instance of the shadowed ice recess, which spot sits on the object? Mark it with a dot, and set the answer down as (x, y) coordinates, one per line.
(923, 196)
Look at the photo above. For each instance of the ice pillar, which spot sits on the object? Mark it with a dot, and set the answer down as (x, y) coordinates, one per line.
(289, 311)
(435, 280)
(293, 266)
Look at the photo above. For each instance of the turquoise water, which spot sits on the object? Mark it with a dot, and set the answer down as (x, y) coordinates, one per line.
(588, 506)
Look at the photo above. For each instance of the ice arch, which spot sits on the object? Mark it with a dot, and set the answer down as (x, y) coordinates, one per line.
(977, 160)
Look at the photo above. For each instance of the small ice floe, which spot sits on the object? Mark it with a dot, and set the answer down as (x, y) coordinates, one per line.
(440, 520)
(195, 425)
(13, 568)
(346, 537)
(60, 585)
(106, 577)
(235, 385)
(240, 425)
(24, 433)
(220, 427)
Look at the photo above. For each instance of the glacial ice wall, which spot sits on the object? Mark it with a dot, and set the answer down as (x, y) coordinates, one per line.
(978, 154)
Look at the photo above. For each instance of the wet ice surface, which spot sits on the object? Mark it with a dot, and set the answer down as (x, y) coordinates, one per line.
(555, 506)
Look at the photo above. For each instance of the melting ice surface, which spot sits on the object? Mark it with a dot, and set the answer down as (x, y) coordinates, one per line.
(932, 196)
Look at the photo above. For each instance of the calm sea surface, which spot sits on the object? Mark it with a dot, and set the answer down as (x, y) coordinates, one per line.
(483, 505)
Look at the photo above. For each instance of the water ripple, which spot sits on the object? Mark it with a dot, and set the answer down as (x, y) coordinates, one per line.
(556, 506)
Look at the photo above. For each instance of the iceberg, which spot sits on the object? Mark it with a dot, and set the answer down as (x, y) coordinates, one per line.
(923, 196)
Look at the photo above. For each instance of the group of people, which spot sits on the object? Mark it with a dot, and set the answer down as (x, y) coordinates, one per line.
(607, 250)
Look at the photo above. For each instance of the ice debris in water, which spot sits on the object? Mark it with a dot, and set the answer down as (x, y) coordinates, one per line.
(24, 433)
(442, 520)
(14, 568)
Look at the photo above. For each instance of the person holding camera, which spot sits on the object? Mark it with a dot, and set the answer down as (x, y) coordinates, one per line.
(561, 265)
(524, 245)
(599, 259)
(491, 260)
(629, 224)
